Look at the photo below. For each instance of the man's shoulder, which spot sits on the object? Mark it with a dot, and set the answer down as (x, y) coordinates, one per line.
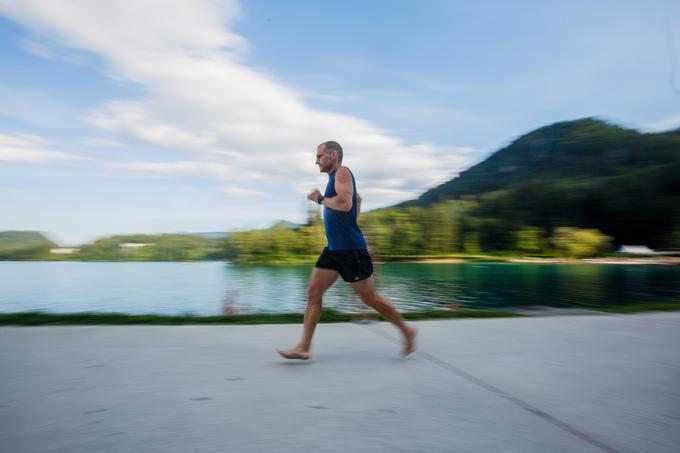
(343, 172)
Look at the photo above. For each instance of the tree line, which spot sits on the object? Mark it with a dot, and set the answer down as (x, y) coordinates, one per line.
(447, 229)
(451, 228)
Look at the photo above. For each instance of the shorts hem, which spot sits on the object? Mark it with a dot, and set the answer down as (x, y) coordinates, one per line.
(358, 279)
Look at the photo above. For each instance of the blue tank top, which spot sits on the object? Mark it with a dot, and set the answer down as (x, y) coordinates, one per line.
(342, 230)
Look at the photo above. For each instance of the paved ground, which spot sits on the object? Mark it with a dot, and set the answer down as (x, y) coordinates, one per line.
(547, 384)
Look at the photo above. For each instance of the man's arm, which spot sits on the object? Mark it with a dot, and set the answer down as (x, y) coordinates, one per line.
(343, 187)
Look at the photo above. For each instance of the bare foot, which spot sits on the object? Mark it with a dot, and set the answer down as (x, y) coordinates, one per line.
(294, 353)
(410, 341)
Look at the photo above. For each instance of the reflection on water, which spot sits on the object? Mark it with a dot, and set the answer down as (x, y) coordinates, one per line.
(202, 288)
(510, 284)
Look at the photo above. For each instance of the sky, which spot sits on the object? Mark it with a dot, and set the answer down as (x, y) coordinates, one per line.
(149, 116)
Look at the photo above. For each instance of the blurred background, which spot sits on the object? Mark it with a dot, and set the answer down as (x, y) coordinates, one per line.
(156, 159)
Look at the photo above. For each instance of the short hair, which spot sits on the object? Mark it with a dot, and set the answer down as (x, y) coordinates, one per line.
(333, 146)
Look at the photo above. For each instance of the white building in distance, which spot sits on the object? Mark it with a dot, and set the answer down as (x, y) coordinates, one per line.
(636, 250)
(64, 250)
(132, 245)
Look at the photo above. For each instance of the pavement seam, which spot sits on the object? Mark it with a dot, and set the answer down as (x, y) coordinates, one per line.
(508, 397)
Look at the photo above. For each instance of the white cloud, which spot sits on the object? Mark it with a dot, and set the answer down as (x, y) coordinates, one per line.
(44, 50)
(28, 148)
(39, 49)
(379, 193)
(242, 192)
(201, 98)
(101, 142)
(197, 168)
(666, 124)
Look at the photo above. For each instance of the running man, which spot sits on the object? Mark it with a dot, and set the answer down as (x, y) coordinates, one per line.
(346, 253)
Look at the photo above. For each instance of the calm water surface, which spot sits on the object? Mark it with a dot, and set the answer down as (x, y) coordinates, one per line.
(202, 288)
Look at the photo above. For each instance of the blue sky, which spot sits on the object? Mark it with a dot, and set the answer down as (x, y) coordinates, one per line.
(154, 116)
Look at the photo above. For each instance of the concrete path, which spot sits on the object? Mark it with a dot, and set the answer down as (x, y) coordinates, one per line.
(548, 384)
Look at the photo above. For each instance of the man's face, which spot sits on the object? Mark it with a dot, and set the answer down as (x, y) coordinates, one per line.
(324, 159)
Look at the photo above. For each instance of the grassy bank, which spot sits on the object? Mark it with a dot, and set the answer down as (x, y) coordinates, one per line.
(36, 318)
(328, 316)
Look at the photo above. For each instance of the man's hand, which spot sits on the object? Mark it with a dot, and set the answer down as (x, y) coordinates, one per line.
(314, 195)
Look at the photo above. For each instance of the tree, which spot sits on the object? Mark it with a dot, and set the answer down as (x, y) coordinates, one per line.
(530, 240)
(580, 243)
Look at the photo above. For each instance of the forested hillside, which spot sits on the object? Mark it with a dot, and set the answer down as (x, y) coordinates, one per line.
(584, 173)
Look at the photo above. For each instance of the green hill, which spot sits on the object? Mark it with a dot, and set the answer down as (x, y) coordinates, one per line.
(21, 245)
(21, 239)
(584, 173)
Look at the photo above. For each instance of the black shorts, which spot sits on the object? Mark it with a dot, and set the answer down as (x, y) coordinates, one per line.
(352, 265)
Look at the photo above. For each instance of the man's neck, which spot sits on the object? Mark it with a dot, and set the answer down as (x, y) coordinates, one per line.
(335, 167)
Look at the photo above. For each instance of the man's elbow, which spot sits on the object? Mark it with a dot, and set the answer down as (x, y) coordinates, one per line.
(346, 206)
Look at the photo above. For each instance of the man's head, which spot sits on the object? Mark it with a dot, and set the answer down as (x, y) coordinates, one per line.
(328, 156)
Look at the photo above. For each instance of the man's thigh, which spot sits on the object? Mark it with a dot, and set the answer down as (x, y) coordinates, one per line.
(364, 288)
(322, 279)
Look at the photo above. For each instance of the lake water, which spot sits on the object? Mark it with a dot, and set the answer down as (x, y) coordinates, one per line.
(202, 287)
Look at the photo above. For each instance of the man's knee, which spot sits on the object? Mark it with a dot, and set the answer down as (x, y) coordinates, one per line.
(370, 298)
(314, 293)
